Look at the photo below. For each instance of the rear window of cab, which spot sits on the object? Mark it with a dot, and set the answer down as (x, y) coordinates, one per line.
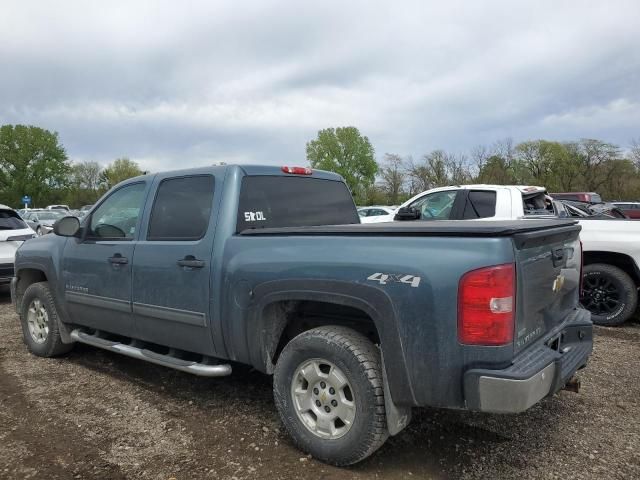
(279, 201)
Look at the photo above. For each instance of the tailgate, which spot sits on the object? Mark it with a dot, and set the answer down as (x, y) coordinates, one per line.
(548, 266)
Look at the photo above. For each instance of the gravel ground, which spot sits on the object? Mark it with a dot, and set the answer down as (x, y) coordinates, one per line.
(97, 415)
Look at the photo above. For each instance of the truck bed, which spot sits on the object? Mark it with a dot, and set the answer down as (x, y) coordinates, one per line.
(458, 228)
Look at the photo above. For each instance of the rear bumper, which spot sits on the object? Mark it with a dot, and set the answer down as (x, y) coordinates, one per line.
(540, 371)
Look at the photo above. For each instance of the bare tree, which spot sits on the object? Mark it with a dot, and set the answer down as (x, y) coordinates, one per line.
(393, 176)
(635, 152)
(479, 156)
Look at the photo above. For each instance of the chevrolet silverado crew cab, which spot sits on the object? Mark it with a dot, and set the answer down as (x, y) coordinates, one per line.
(611, 247)
(358, 323)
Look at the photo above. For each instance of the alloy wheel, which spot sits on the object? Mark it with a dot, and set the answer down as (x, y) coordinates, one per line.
(38, 321)
(323, 398)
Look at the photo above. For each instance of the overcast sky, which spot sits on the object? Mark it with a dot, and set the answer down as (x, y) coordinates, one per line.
(178, 84)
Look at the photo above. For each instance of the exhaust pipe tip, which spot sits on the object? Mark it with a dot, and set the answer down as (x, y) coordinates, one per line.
(573, 385)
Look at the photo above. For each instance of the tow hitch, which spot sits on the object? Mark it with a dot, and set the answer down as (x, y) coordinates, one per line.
(573, 385)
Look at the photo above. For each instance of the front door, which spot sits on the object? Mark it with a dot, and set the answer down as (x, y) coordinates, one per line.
(172, 264)
(97, 266)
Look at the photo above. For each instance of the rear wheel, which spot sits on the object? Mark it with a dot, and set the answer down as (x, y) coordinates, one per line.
(609, 294)
(329, 393)
(39, 320)
(39, 231)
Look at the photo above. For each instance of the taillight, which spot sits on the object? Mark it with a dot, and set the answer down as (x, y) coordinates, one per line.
(297, 170)
(486, 305)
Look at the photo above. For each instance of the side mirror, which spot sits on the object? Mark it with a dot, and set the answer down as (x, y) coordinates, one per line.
(67, 227)
(407, 213)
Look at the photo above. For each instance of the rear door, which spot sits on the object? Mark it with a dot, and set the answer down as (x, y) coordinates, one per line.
(172, 263)
(477, 204)
(548, 280)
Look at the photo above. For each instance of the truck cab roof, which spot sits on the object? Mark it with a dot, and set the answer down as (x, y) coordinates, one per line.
(249, 169)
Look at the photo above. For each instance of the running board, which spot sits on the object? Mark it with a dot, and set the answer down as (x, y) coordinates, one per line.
(195, 368)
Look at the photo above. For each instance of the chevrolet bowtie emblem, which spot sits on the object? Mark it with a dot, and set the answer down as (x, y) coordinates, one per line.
(558, 283)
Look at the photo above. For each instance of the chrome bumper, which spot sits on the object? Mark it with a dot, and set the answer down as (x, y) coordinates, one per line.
(541, 371)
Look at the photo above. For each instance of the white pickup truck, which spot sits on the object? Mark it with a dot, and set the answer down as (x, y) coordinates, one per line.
(611, 246)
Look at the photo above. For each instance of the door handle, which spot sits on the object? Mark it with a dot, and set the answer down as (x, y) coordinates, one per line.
(118, 259)
(191, 262)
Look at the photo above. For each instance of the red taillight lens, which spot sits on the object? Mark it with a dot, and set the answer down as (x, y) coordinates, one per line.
(486, 305)
(297, 170)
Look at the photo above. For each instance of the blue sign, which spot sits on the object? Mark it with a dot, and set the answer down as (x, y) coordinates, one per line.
(26, 200)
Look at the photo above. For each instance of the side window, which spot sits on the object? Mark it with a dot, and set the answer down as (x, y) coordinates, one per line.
(364, 212)
(182, 208)
(480, 204)
(117, 216)
(436, 206)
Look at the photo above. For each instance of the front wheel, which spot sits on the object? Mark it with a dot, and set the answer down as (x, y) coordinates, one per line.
(608, 293)
(39, 231)
(329, 392)
(39, 320)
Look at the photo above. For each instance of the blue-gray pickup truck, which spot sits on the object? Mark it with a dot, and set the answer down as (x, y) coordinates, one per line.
(270, 267)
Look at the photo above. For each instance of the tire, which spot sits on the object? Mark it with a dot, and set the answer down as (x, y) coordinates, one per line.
(39, 320)
(609, 294)
(344, 357)
(39, 231)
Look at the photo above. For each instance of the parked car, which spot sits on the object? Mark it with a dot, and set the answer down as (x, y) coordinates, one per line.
(41, 221)
(589, 197)
(376, 214)
(630, 209)
(611, 246)
(13, 232)
(58, 207)
(358, 323)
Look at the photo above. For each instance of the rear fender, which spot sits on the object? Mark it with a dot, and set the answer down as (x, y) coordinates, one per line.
(263, 333)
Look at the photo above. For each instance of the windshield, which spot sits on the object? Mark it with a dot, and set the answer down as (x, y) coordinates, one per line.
(10, 220)
(50, 215)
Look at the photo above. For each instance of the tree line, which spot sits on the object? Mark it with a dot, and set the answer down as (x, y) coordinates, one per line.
(33, 162)
(582, 165)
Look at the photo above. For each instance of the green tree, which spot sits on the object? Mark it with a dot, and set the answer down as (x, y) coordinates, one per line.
(84, 184)
(497, 170)
(32, 162)
(345, 151)
(120, 170)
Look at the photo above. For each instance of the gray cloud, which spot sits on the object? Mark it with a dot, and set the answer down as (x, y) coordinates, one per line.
(172, 84)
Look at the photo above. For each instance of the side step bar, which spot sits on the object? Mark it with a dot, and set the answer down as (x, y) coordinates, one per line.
(196, 368)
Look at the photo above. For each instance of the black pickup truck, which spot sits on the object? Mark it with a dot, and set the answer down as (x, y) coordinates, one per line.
(358, 323)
